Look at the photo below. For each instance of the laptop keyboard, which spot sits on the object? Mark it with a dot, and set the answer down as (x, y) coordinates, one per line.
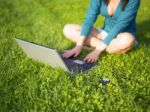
(72, 66)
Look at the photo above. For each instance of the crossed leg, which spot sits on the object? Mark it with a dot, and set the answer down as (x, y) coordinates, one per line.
(121, 44)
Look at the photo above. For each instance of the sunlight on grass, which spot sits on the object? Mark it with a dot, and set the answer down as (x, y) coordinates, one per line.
(27, 85)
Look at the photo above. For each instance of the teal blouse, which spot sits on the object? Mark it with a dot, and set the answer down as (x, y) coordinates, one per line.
(120, 21)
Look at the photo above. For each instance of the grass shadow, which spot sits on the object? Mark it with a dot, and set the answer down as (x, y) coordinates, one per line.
(143, 32)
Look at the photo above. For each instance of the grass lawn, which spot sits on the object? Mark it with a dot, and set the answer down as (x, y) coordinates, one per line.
(27, 85)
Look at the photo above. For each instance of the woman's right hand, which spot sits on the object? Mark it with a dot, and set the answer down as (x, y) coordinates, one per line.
(73, 52)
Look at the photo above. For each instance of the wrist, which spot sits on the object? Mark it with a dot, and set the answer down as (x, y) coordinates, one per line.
(78, 46)
(80, 41)
(101, 47)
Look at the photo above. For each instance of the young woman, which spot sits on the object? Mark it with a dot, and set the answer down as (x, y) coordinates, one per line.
(118, 35)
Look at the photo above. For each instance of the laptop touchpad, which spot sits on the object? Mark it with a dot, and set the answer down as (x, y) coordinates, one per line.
(79, 62)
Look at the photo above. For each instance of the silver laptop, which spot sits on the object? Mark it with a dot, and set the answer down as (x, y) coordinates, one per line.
(53, 58)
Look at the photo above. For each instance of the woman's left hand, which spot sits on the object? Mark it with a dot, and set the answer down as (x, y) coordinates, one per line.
(92, 56)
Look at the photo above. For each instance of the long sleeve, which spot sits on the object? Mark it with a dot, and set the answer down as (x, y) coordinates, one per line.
(128, 15)
(91, 16)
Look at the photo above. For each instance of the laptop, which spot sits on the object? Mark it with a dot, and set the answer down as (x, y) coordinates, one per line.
(53, 58)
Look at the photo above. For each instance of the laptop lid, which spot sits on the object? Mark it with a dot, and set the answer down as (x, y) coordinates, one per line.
(42, 54)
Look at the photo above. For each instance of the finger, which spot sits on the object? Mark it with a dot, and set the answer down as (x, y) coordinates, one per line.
(85, 59)
(70, 55)
(64, 52)
(88, 60)
(76, 54)
(66, 55)
(63, 55)
(95, 60)
(91, 61)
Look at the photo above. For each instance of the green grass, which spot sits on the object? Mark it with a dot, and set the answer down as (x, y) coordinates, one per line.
(26, 85)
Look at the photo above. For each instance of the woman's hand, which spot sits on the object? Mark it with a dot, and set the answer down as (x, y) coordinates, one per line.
(94, 55)
(73, 52)
(76, 50)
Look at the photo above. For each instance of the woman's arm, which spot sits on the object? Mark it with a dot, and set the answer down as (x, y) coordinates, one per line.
(124, 20)
(91, 16)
